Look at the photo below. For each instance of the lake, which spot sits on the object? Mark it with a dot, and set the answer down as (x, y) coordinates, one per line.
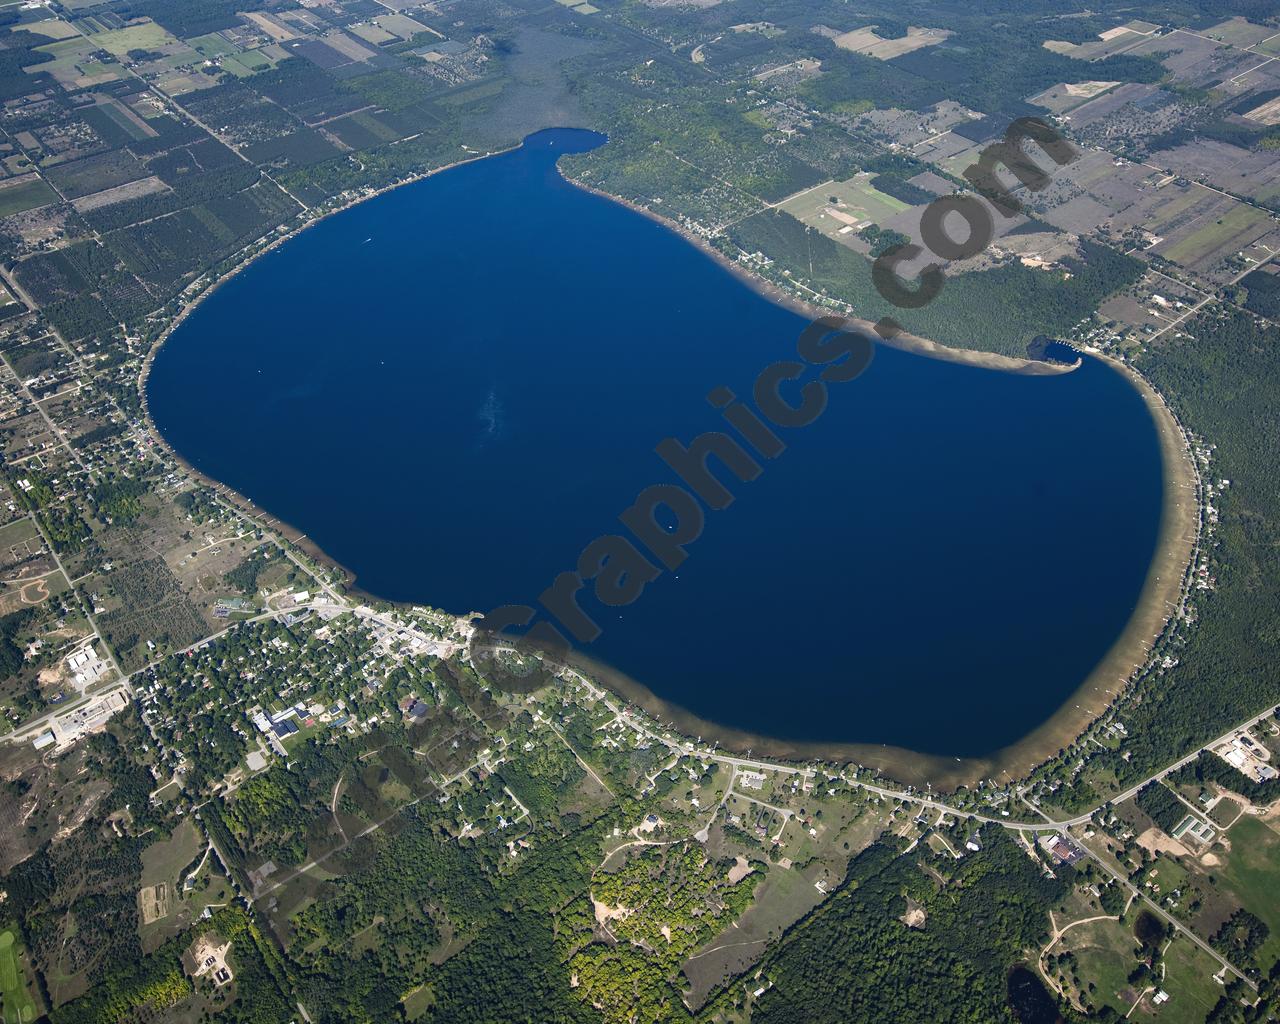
(453, 388)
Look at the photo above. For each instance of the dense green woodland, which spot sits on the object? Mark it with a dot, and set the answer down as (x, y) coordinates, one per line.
(999, 310)
(853, 960)
(1224, 383)
(422, 918)
(1161, 806)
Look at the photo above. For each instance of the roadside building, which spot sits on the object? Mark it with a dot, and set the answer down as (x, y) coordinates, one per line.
(1062, 849)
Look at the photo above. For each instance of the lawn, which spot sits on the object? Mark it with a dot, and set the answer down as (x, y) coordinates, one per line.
(1225, 812)
(1168, 875)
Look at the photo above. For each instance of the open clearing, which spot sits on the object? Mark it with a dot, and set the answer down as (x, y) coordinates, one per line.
(160, 885)
(1239, 32)
(153, 902)
(1104, 952)
(839, 209)
(52, 28)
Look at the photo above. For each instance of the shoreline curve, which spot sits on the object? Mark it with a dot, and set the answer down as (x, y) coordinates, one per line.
(1160, 599)
(1166, 577)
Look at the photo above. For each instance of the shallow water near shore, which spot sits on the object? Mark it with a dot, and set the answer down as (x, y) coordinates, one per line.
(455, 387)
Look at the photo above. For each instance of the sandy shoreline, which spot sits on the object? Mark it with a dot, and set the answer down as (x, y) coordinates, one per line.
(1179, 529)
(1158, 601)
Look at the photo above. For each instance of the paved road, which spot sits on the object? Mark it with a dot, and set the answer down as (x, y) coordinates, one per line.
(1044, 824)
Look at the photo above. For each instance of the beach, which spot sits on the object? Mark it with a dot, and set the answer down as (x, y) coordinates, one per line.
(1159, 597)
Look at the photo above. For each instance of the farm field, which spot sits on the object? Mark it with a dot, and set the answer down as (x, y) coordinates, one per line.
(1239, 32)
(1238, 227)
(25, 195)
(53, 28)
(866, 42)
(126, 120)
(430, 844)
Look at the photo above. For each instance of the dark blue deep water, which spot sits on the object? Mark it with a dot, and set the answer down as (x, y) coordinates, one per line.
(452, 389)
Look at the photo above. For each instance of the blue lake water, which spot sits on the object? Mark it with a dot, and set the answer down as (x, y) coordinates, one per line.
(455, 387)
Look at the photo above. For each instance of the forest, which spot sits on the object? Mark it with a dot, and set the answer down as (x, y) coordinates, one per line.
(854, 959)
(1223, 381)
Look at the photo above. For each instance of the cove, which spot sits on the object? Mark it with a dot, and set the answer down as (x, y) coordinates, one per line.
(456, 386)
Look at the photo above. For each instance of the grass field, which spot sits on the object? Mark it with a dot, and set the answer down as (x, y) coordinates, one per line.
(52, 28)
(1188, 978)
(1243, 221)
(856, 201)
(73, 63)
(1177, 202)
(25, 195)
(1252, 873)
(120, 41)
(1170, 875)
(1239, 32)
(1225, 812)
(1104, 952)
(783, 897)
(212, 45)
(162, 861)
(128, 125)
(246, 63)
(18, 532)
(161, 864)
(418, 1002)
(18, 1007)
